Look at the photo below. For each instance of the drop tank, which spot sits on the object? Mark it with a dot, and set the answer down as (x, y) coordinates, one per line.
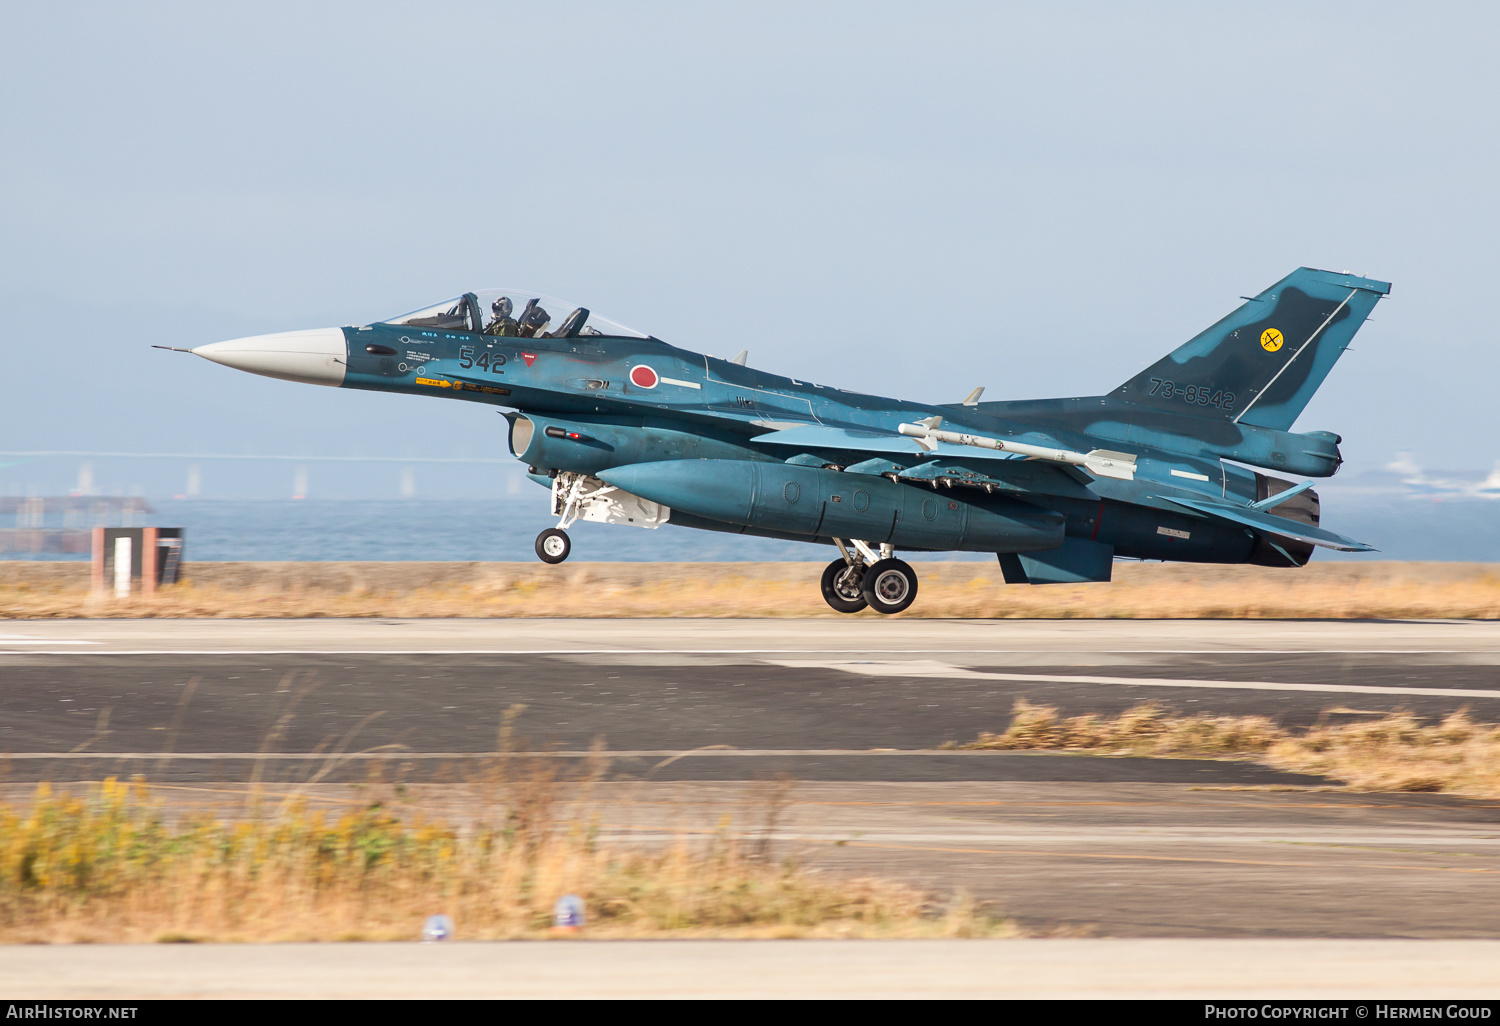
(822, 503)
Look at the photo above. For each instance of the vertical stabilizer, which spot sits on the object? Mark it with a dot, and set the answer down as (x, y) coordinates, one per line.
(1261, 364)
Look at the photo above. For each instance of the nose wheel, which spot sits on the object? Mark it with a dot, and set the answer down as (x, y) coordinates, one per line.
(553, 545)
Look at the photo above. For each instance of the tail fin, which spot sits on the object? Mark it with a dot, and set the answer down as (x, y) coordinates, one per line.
(1262, 363)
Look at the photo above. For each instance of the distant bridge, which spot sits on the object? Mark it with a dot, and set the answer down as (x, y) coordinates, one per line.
(253, 456)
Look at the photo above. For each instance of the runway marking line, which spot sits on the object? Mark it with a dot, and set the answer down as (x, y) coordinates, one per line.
(742, 651)
(1151, 858)
(46, 641)
(694, 753)
(428, 799)
(662, 832)
(1145, 804)
(945, 671)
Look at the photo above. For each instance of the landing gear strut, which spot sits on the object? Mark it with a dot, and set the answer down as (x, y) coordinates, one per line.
(553, 545)
(862, 578)
(578, 496)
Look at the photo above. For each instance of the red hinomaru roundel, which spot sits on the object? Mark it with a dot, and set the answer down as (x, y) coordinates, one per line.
(643, 376)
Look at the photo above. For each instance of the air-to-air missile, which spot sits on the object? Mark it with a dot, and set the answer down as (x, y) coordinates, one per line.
(623, 428)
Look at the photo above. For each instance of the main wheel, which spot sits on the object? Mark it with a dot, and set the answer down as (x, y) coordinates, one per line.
(889, 586)
(553, 546)
(841, 586)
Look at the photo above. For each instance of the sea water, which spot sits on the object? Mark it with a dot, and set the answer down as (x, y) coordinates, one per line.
(503, 529)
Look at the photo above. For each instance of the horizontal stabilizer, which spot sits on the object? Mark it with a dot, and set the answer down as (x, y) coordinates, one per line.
(1272, 524)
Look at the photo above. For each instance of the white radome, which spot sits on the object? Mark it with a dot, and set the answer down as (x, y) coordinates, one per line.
(317, 356)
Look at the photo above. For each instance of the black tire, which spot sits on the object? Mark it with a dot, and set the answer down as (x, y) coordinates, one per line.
(841, 586)
(553, 545)
(889, 586)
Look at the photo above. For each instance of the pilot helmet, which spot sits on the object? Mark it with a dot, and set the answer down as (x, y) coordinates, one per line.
(501, 306)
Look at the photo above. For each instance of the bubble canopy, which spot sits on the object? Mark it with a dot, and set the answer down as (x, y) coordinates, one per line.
(511, 312)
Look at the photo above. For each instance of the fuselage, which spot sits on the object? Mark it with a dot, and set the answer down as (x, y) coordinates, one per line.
(658, 402)
(626, 429)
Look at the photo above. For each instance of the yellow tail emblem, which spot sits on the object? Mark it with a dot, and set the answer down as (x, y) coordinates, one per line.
(1270, 340)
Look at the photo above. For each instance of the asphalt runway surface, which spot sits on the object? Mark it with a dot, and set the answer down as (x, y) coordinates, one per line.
(723, 700)
(696, 717)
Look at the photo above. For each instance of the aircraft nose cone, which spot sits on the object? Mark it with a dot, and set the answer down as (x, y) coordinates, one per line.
(317, 356)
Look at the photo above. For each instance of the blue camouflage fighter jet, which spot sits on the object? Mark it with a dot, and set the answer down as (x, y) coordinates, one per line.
(626, 429)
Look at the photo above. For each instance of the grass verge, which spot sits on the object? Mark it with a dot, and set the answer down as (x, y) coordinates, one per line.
(112, 866)
(1347, 590)
(1397, 752)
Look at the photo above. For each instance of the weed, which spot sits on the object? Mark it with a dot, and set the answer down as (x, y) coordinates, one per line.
(1396, 752)
(1146, 729)
(949, 589)
(109, 866)
(113, 865)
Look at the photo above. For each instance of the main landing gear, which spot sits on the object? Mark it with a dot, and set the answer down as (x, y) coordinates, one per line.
(841, 586)
(861, 578)
(889, 586)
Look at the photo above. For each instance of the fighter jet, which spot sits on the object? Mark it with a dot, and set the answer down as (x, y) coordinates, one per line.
(624, 428)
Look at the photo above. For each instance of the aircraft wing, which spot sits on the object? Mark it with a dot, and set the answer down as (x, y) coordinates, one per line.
(1272, 524)
(963, 462)
(817, 436)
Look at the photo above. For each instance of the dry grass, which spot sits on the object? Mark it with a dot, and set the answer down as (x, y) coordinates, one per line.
(948, 589)
(114, 866)
(1146, 729)
(1397, 752)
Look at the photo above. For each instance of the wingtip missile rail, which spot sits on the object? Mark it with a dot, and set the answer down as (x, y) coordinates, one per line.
(1099, 462)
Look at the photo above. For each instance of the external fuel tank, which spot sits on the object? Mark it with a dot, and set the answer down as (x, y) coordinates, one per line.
(816, 502)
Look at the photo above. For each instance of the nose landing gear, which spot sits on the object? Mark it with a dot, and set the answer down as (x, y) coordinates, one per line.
(582, 497)
(553, 545)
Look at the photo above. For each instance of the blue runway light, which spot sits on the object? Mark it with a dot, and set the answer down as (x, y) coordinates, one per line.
(437, 928)
(567, 914)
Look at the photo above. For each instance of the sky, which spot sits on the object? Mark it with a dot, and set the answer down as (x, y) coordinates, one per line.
(904, 199)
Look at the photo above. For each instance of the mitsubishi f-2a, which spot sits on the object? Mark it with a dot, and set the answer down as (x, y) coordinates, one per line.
(624, 428)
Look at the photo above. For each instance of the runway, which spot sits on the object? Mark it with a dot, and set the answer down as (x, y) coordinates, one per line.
(833, 700)
(692, 716)
(857, 635)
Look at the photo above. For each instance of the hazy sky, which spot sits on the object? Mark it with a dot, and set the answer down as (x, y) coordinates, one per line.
(905, 199)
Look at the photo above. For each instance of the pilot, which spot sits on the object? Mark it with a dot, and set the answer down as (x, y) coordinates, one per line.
(503, 323)
(533, 319)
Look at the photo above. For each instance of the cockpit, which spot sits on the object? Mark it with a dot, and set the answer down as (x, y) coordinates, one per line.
(512, 313)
